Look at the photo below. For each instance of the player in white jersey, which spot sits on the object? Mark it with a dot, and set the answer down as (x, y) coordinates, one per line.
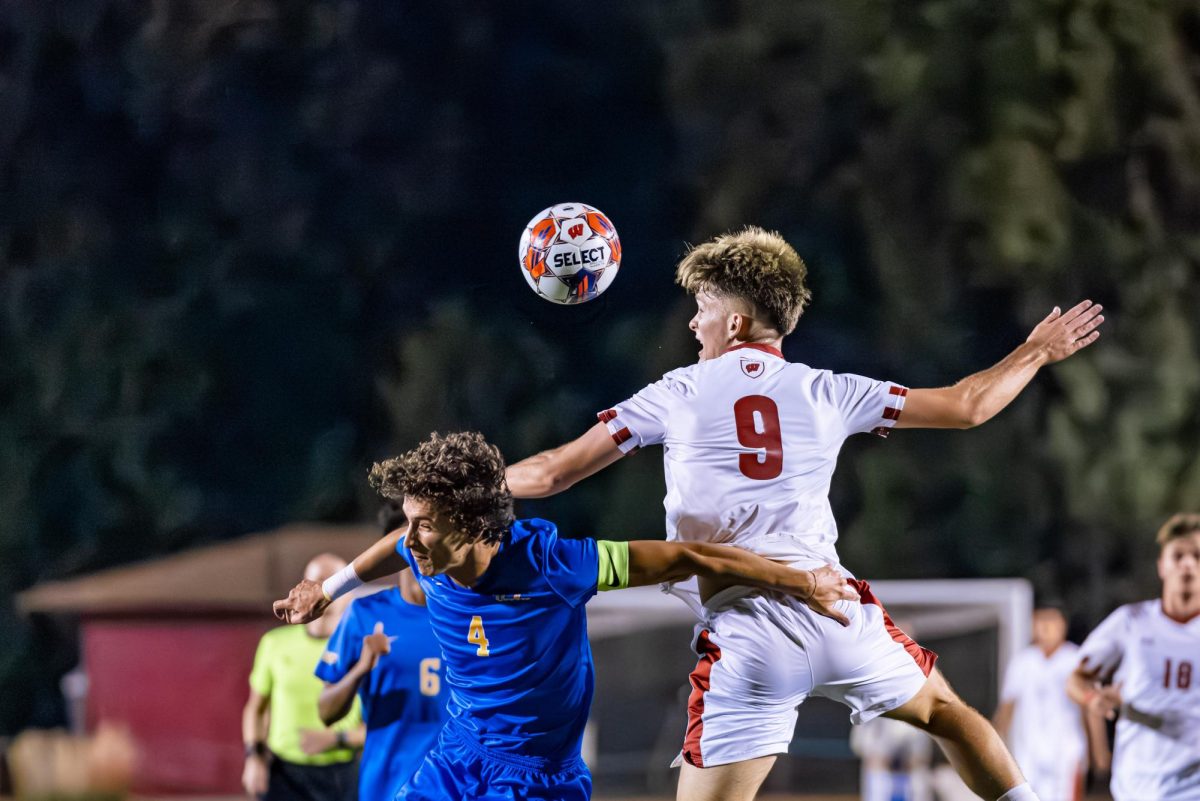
(1141, 664)
(1042, 725)
(750, 442)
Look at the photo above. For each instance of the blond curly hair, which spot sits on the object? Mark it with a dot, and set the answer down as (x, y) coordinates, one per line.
(460, 474)
(755, 265)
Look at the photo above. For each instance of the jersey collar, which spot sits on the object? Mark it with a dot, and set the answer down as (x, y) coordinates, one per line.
(758, 346)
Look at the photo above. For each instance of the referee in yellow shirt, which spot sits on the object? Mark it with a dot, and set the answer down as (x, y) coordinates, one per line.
(290, 754)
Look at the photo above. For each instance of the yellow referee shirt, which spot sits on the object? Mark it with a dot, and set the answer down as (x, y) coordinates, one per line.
(283, 672)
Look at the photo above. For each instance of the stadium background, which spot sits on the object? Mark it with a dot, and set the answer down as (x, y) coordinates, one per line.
(248, 247)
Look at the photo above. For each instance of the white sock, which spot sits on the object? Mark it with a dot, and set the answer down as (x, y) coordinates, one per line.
(1022, 792)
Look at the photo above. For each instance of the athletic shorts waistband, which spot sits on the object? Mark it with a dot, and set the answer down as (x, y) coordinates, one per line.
(531, 763)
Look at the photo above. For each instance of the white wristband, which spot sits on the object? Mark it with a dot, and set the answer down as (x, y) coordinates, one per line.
(341, 582)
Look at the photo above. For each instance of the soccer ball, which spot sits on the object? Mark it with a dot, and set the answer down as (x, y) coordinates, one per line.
(569, 253)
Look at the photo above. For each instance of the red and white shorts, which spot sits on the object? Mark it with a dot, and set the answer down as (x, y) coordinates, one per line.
(762, 655)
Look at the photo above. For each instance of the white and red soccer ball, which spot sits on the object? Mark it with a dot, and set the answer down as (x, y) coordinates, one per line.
(569, 253)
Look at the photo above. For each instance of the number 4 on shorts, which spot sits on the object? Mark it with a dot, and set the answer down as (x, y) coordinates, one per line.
(475, 635)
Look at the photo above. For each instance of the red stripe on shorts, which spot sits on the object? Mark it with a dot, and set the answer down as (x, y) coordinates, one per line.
(922, 656)
(606, 415)
(709, 654)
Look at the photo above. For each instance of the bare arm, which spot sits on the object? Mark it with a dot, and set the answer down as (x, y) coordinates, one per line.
(979, 397)
(1003, 718)
(552, 471)
(306, 601)
(1101, 700)
(653, 562)
(336, 699)
(1097, 737)
(254, 736)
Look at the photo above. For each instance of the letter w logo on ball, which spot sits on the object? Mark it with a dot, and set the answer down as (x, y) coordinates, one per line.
(575, 231)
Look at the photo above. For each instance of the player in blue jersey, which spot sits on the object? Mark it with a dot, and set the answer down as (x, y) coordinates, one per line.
(403, 704)
(506, 598)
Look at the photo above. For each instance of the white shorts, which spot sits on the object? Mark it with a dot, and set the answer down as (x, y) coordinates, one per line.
(761, 656)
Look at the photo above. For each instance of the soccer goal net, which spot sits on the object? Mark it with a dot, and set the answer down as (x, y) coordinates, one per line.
(640, 641)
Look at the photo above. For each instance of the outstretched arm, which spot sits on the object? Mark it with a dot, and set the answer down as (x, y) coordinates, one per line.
(979, 397)
(308, 599)
(654, 561)
(552, 471)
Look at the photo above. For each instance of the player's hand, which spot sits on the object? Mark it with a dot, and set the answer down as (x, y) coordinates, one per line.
(317, 741)
(255, 775)
(1063, 333)
(305, 602)
(375, 645)
(829, 587)
(1105, 702)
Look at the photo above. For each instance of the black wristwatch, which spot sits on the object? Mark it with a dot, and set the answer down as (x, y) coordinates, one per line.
(256, 749)
(341, 740)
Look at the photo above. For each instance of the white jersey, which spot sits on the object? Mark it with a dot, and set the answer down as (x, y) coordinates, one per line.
(1154, 659)
(750, 442)
(1047, 735)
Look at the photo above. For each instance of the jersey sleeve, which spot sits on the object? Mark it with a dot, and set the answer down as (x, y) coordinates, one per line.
(343, 649)
(571, 568)
(863, 404)
(642, 420)
(260, 674)
(1104, 648)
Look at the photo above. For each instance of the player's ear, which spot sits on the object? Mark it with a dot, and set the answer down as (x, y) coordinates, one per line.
(739, 326)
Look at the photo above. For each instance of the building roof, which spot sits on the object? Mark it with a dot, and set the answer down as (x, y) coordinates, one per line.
(240, 576)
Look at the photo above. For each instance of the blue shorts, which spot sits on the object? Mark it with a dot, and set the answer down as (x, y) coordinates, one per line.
(458, 768)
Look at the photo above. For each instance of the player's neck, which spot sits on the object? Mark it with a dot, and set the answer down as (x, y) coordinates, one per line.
(475, 563)
(1181, 606)
(769, 341)
(1049, 651)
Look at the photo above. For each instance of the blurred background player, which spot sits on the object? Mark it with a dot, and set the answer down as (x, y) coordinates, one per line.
(290, 754)
(400, 690)
(896, 761)
(1042, 725)
(1139, 666)
(506, 598)
(750, 445)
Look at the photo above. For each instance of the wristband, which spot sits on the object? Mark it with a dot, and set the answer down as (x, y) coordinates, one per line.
(256, 749)
(341, 582)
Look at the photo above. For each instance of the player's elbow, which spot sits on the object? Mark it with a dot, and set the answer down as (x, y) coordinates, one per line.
(328, 710)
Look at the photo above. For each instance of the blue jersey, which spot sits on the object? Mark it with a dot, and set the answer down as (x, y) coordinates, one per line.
(403, 701)
(518, 663)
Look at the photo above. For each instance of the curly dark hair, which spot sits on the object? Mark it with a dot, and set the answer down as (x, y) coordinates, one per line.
(461, 474)
(753, 264)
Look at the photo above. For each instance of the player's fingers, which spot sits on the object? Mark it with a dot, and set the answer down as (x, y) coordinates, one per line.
(379, 627)
(1079, 308)
(1090, 325)
(1054, 313)
(1080, 344)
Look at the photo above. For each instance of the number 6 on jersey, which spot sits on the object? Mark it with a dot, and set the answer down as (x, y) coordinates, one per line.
(475, 635)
